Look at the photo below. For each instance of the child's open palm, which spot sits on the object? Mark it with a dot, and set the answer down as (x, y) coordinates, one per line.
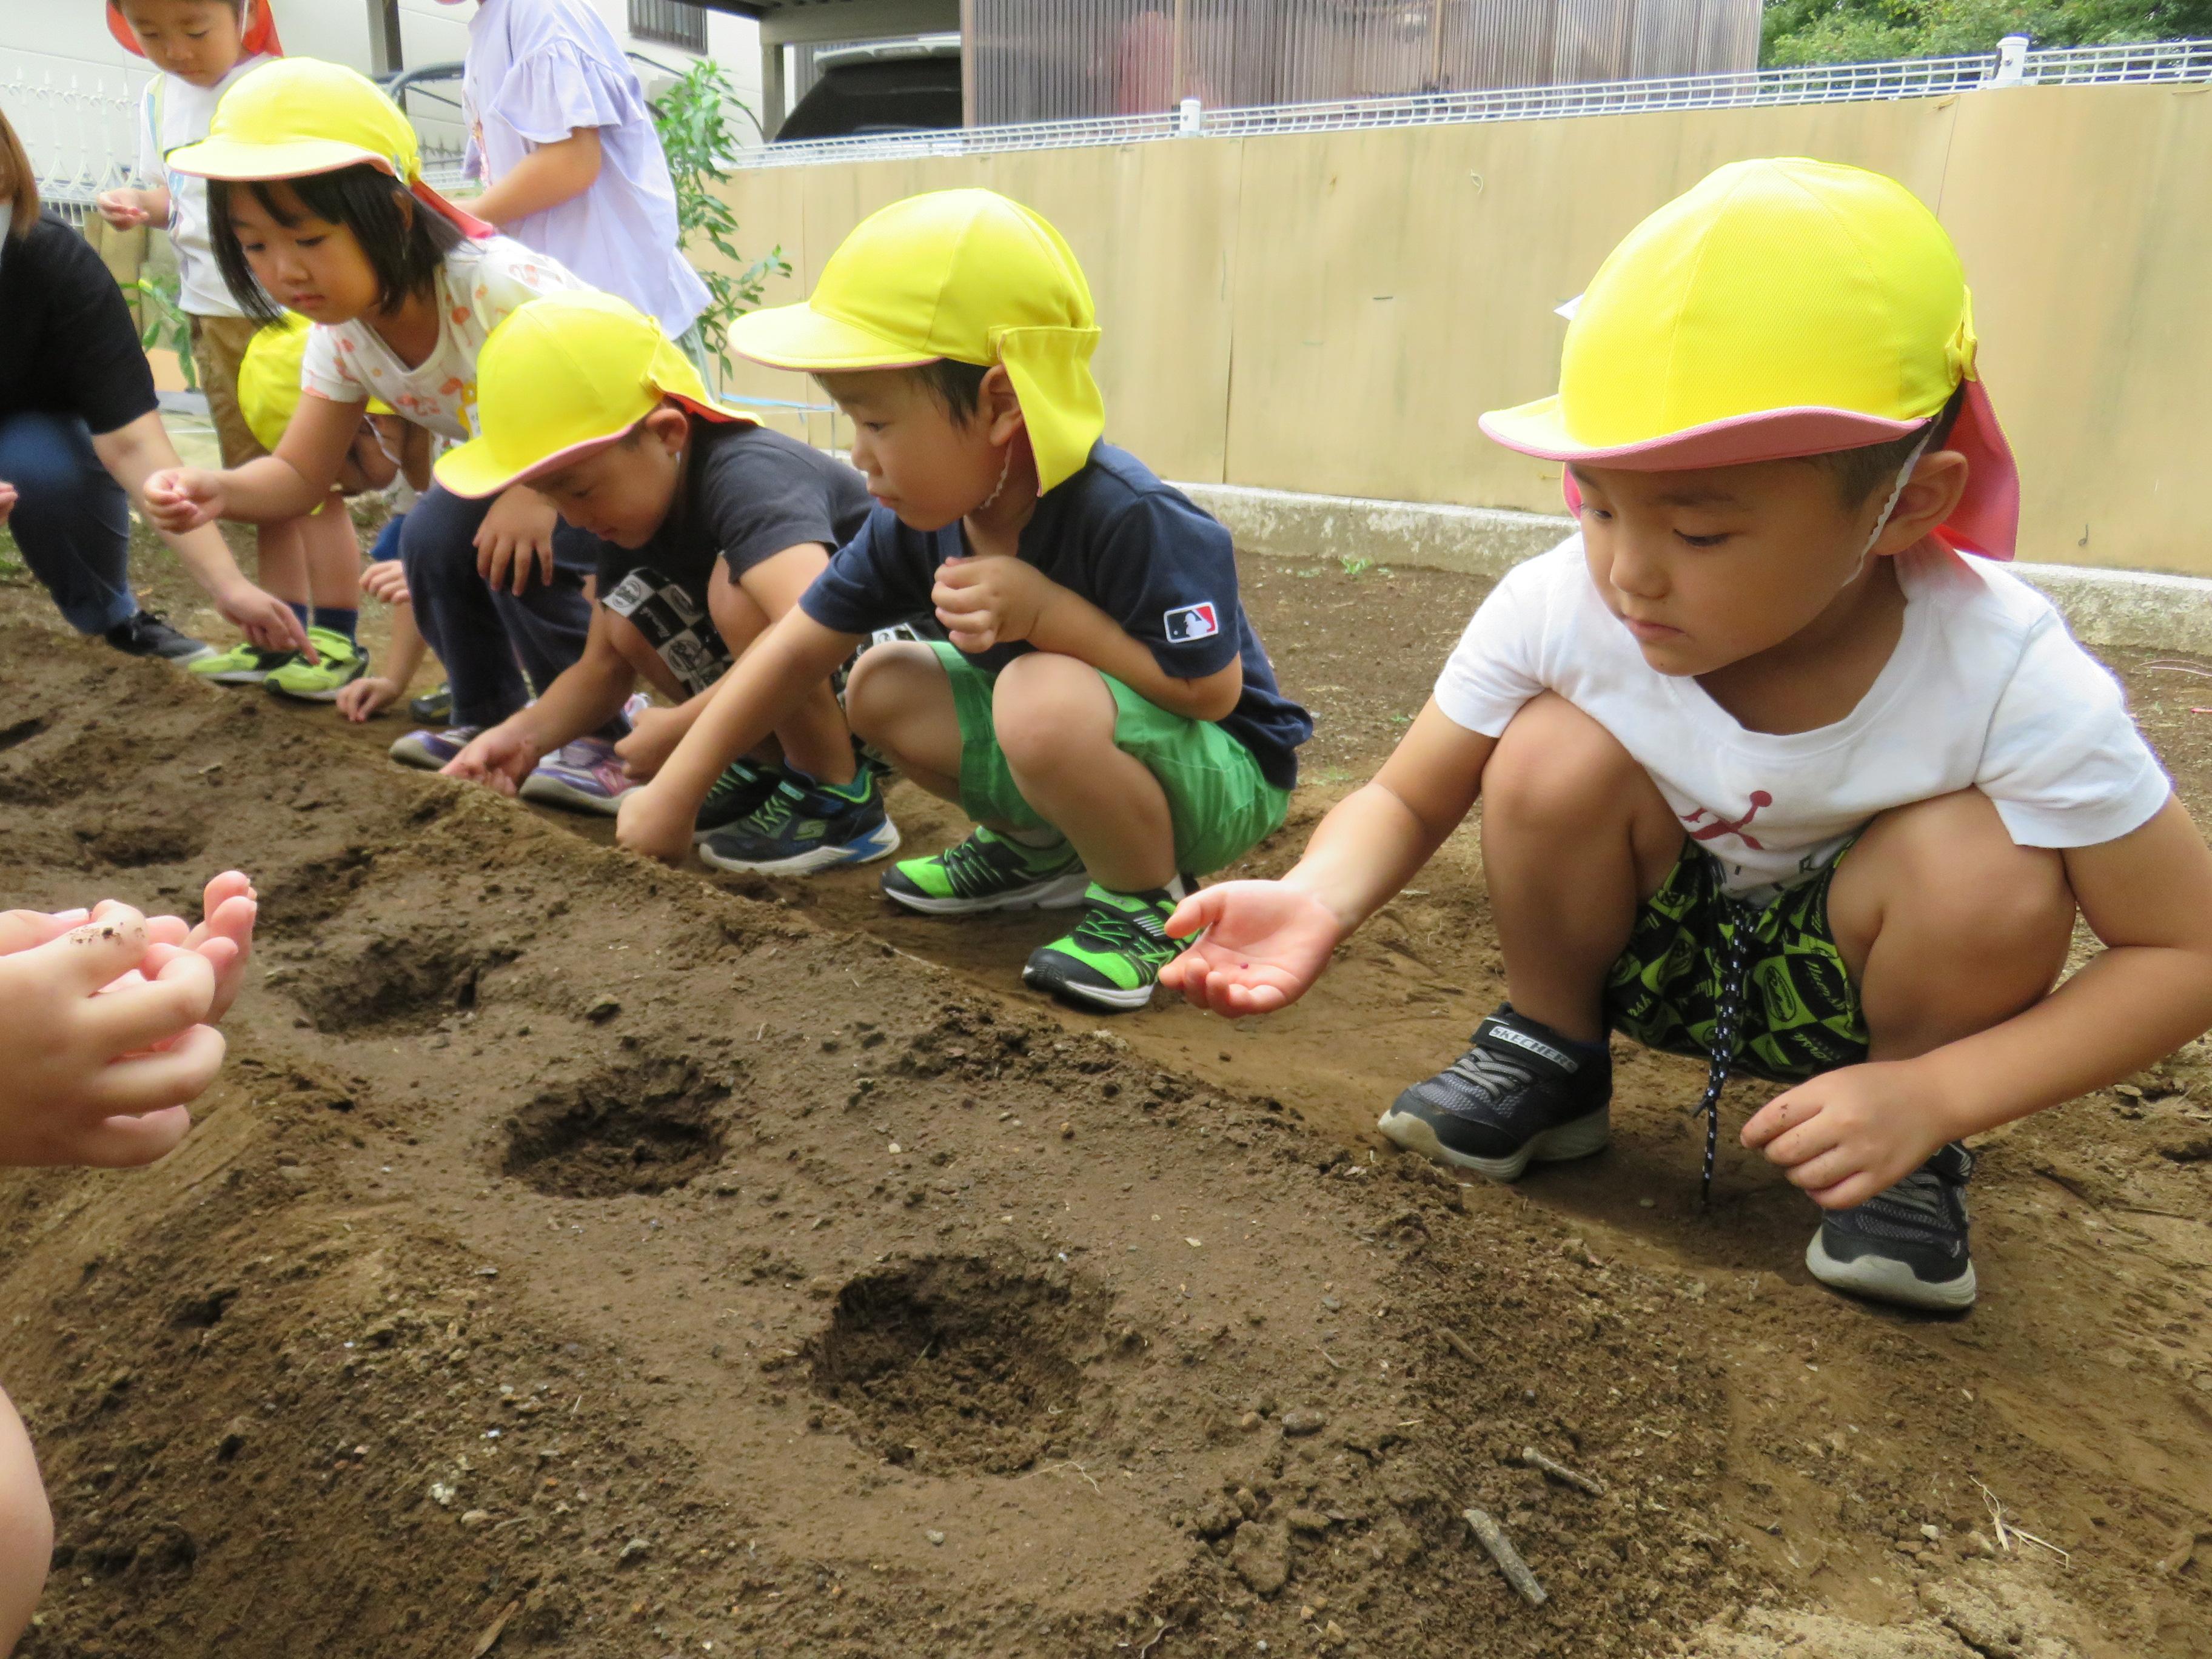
(1264, 945)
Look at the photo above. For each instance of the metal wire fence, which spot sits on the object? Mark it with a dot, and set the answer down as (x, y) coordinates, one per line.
(1924, 77)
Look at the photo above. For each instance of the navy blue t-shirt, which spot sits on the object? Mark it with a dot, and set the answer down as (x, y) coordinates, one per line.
(1140, 551)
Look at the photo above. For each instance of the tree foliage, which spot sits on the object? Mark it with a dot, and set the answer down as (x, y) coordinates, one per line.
(693, 117)
(1864, 31)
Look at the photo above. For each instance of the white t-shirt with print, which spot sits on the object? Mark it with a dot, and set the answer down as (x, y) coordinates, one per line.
(479, 284)
(172, 114)
(1985, 689)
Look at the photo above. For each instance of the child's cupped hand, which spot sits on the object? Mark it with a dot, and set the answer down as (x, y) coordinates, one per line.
(651, 821)
(1264, 945)
(1848, 1134)
(183, 498)
(106, 1025)
(366, 698)
(387, 580)
(124, 209)
(498, 757)
(992, 600)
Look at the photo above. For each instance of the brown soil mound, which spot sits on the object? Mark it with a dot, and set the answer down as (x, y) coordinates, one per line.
(580, 1257)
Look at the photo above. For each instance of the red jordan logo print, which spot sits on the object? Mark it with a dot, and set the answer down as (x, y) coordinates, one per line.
(1720, 826)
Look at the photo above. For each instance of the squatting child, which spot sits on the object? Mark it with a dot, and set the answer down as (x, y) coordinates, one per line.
(709, 526)
(1103, 708)
(384, 449)
(317, 204)
(203, 48)
(1771, 774)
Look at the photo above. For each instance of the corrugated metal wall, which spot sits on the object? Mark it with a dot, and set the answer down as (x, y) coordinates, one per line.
(1042, 60)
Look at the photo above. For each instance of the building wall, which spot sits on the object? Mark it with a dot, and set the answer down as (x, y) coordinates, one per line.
(70, 90)
(1329, 311)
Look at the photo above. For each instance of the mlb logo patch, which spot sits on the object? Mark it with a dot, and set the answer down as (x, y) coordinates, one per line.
(1191, 621)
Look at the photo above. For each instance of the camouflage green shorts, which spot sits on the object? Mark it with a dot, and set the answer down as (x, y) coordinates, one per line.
(1801, 1013)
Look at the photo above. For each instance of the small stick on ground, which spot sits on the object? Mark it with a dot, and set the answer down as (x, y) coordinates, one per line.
(1458, 1343)
(1560, 1473)
(1508, 1558)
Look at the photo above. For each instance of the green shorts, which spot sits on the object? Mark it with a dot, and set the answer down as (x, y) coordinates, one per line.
(1219, 802)
(1801, 1012)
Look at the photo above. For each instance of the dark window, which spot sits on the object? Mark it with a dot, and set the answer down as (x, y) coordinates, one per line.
(678, 22)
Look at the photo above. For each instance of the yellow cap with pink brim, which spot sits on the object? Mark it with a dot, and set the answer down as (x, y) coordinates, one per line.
(1778, 309)
(299, 117)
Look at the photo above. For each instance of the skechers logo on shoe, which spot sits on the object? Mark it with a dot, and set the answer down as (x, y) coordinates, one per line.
(1493, 1030)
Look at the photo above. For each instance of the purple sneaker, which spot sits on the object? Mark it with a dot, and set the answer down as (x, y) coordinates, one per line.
(583, 776)
(430, 750)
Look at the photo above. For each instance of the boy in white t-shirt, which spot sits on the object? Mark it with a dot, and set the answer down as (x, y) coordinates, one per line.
(1772, 774)
(203, 48)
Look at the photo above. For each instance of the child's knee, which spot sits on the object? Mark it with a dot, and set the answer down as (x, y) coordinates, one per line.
(1555, 766)
(1969, 880)
(886, 685)
(1049, 711)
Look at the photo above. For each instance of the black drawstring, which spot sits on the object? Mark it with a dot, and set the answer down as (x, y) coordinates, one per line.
(1726, 1028)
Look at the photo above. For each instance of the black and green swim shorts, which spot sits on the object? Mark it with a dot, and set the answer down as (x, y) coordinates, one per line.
(1800, 1012)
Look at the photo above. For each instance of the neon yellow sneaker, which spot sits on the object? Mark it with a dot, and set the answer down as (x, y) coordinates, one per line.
(342, 662)
(244, 664)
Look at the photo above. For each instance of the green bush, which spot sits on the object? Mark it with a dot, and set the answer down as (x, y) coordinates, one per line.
(1796, 32)
(693, 117)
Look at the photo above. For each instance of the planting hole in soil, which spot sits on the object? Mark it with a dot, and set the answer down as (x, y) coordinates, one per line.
(951, 1363)
(613, 1138)
(395, 985)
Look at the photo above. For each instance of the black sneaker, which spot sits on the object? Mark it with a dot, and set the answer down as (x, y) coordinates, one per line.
(737, 795)
(149, 635)
(1906, 1245)
(1522, 1094)
(435, 707)
(803, 827)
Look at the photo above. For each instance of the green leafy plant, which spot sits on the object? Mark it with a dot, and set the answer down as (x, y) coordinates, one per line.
(1798, 31)
(694, 119)
(162, 325)
(1355, 564)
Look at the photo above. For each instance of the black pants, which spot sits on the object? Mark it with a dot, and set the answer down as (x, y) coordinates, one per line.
(486, 637)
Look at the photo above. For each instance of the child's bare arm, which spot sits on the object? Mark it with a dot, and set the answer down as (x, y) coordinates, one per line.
(997, 601)
(550, 175)
(755, 696)
(1267, 942)
(1848, 1134)
(288, 484)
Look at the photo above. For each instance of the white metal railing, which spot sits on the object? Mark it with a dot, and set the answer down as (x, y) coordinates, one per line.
(78, 121)
(1924, 77)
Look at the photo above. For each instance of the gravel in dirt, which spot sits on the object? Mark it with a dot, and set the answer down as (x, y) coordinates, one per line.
(582, 1257)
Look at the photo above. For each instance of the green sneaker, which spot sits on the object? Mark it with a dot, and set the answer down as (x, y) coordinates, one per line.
(1113, 957)
(988, 871)
(244, 664)
(342, 662)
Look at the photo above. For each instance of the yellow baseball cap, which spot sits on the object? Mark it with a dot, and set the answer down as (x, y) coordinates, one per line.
(564, 374)
(1779, 309)
(964, 274)
(269, 379)
(300, 116)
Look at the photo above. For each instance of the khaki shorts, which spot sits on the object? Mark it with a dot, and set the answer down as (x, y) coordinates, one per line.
(218, 348)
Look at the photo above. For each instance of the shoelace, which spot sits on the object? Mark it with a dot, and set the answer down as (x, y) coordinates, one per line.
(1728, 1030)
(769, 818)
(1106, 928)
(735, 777)
(972, 866)
(1490, 1073)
